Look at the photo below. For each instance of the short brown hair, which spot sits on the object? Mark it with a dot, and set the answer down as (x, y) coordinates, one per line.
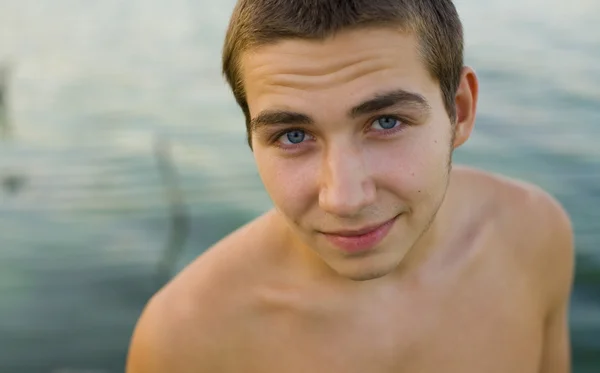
(436, 24)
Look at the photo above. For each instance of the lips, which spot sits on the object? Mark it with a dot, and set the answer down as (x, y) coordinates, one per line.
(360, 240)
(357, 232)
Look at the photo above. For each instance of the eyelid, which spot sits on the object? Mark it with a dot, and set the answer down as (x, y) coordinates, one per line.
(388, 116)
(405, 116)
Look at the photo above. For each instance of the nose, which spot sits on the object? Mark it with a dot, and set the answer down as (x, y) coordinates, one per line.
(346, 184)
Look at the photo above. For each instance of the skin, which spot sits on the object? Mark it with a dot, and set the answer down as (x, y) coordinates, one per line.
(474, 275)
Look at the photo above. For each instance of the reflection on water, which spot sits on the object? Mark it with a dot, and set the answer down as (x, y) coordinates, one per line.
(96, 82)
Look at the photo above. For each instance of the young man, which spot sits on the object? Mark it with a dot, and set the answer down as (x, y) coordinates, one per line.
(379, 256)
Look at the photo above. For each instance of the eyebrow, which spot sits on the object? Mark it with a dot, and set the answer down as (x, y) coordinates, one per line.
(279, 117)
(380, 101)
(387, 100)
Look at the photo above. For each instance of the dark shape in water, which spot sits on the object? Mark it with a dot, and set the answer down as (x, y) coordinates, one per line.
(5, 128)
(12, 184)
(180, 226)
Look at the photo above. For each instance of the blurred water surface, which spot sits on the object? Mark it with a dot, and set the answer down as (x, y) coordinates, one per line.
(95, 82)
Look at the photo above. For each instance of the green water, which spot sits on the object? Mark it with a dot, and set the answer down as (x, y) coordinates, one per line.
(95, 82)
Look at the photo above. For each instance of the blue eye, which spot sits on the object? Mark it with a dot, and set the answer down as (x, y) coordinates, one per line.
(387, 123)
(294, 137)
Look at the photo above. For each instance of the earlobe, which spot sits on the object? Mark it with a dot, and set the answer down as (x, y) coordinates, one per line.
(466, 106)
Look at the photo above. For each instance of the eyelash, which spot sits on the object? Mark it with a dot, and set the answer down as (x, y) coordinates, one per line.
(386, 132)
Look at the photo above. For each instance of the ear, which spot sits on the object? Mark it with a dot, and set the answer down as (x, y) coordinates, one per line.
(466, 106)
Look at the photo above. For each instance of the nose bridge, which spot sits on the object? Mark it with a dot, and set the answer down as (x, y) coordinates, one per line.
(346, 185)
(343, 162)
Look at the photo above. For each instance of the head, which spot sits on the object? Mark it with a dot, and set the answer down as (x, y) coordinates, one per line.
(353, 109)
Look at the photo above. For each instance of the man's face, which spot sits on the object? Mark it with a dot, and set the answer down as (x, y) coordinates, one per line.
(353, 144)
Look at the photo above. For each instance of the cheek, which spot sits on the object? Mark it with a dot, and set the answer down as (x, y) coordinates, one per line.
(412, 168)
(290, 183)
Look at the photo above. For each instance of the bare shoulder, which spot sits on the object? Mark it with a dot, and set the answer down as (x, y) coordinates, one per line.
(184, 325)
(516, 196)
(532, 222)
(162, 337)
(521, 209)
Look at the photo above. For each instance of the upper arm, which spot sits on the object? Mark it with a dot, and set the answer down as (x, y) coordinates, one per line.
(556, 354)
(556, 267)
(150, 349)
(165, 340)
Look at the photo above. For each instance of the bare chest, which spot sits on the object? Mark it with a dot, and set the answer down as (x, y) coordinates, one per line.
(486, 327)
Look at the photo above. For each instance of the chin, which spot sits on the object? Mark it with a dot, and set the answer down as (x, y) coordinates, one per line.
(367, 276)
(367, 271)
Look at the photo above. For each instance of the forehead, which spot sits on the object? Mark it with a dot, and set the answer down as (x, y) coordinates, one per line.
(340, 70)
